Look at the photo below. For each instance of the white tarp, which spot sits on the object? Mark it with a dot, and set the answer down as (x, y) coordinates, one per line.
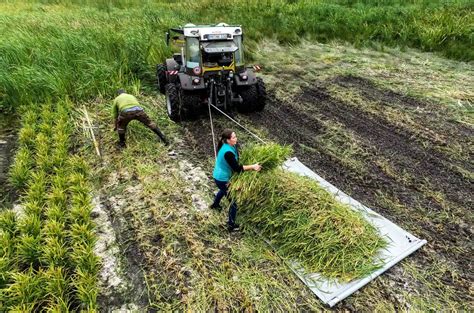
(401, 243)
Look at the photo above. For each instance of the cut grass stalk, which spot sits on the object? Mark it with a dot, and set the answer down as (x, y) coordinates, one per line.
(303, 220)
(54, 251)
(30, 224)
(57, 289)
(26, 292)
(37, 188)
(8, 222)
(85, 284)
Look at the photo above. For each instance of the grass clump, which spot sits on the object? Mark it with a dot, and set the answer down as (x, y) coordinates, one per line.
(269, 156)
(303, 221)
(20, 170)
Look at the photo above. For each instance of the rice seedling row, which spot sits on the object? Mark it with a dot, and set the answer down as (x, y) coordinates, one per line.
(47, 260)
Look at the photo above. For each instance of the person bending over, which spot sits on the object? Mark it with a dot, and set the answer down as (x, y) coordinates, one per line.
(126, 109)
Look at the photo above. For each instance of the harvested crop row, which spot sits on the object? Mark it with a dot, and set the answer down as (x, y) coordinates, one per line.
(302, 220)
(46, 255)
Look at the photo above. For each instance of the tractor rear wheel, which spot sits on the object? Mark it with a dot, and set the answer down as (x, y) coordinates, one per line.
(262, 95)
(249, 99)
(191, 104)
(173, 102)
(161, 77)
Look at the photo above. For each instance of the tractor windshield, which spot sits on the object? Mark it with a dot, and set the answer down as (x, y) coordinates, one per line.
(239, 54)
(192, 52)
(218, 53)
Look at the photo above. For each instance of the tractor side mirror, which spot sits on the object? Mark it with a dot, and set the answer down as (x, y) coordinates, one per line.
(167, 38)
(178, 58)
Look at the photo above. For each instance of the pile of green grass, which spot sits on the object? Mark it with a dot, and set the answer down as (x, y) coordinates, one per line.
(46, 249)
(302, 220)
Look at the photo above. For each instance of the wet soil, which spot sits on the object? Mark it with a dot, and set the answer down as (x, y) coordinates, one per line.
(8, 144)
(433, 198)
(427, 114)
(132, 260)
(401, 146)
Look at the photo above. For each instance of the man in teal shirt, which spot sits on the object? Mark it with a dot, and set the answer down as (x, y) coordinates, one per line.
(126, 109)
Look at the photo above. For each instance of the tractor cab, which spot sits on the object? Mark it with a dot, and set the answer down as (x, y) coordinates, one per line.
(208, 64)
(208, 48)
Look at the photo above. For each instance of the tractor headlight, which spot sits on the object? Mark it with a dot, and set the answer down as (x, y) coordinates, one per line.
(244, 77)
(197, 70)
(196, 81)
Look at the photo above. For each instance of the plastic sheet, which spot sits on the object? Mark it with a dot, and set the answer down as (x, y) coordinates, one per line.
(401, 244)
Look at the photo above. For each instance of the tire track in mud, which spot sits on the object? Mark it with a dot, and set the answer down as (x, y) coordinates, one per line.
(384, 96)
(396, 144)
(289, 127)
(431, 116)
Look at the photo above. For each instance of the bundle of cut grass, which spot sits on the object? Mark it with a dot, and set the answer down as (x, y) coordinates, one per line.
(302, 220)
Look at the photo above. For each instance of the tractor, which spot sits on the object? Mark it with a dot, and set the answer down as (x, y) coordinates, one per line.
(209, 70)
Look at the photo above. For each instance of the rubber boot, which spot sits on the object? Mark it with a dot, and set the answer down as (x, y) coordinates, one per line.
(121, 142)
(162, 137)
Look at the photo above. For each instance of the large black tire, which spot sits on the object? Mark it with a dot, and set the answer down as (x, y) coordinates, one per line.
(191, 105)
(249, 96)
(262, 95)
(173, 102)
(161, 77)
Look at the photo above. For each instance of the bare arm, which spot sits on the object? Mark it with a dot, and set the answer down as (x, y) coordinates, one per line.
(236, 167)
(254, 167)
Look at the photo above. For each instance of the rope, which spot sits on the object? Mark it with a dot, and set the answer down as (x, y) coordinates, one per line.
(209, 104)
(210, 119)
(212, 130)
(233, 120)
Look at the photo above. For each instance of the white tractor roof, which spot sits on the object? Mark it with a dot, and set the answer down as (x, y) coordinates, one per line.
(210, 32)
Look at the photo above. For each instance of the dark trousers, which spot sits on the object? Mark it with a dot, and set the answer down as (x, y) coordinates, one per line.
(126, 117)
(223, 191)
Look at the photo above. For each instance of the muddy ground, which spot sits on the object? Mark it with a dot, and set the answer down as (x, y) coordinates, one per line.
(8, 143)
(406, 158)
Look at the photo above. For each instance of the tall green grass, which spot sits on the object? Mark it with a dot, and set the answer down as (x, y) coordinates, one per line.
(437, 26)
(81, 49)
(57, 52)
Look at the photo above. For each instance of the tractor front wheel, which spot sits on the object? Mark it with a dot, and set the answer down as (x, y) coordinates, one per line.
(173, 102)
(161, 77)
(261, 95)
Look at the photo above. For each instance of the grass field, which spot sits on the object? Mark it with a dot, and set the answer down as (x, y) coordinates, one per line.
(89, 49)
(375, 96)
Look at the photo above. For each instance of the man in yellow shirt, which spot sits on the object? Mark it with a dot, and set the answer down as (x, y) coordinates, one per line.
(125, 109)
